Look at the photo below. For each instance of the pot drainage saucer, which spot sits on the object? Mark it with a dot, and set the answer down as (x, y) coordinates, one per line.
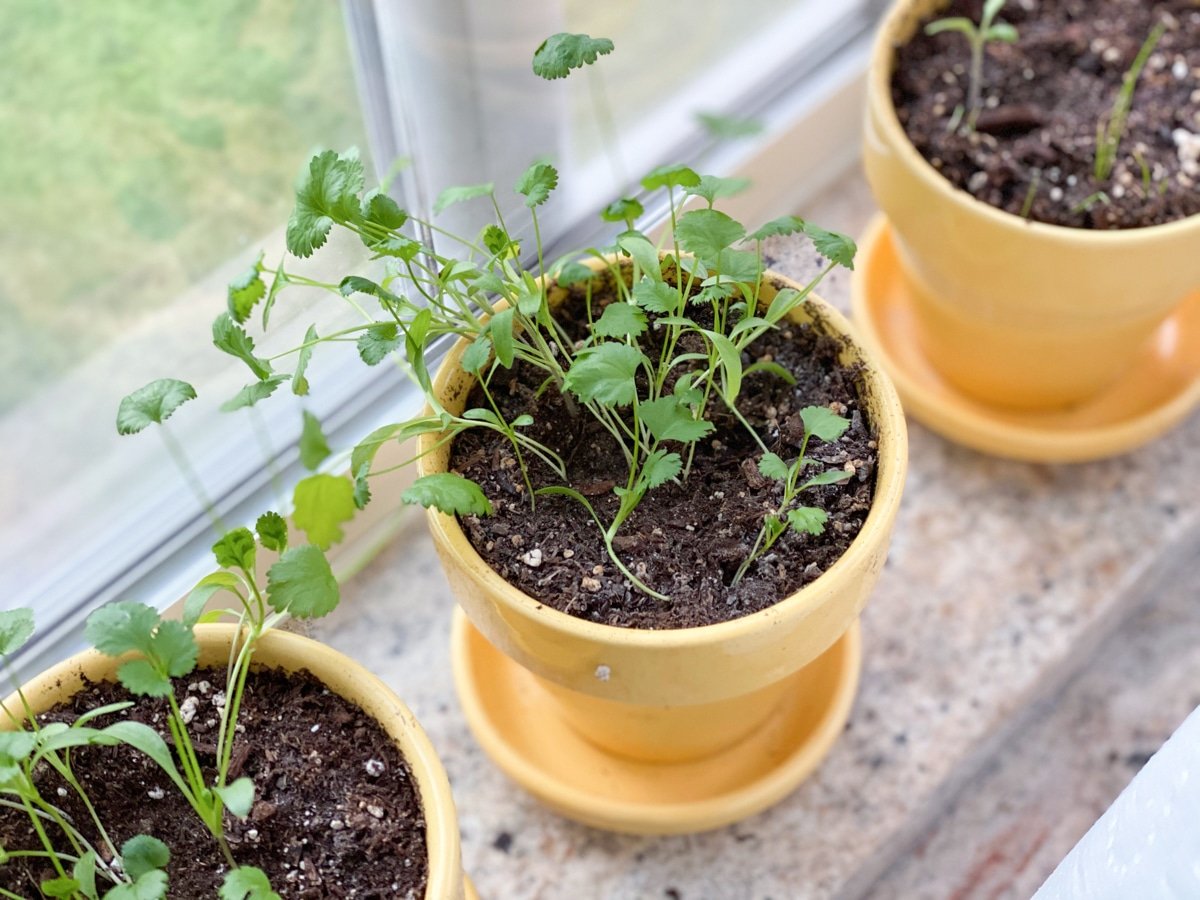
(1158, 392)
(515, 722)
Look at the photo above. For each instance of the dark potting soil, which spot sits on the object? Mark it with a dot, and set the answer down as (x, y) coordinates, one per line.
(684, 540)
(336, 811)
(1034, 147)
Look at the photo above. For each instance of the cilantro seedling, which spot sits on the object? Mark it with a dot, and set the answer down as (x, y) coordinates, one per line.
(1111, 129)
(978, 37)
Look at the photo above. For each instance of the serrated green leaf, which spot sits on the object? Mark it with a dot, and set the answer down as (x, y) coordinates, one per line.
(656, 296)
(245, 291)
(773, 467)
(231, 338)
(500, 327)
(659, 468)
(378, 341)
(605, 374)
(175, 646)
(16, 746)
(834, 247)
(784, 225)
(477, 355)
(247, 883)
(16, 628)
(670, 421)
(556, 56)
(238, 796)
(140, 677)
(314, 449)
(327, 193)
(728, 128)
(706, 232)
(142, 854)
(300, 380)
(301, 583)
(235, 550)
(822, 422)
(620, 320)
(151, 886)
(356, 284)
(117, 628)
(321, 503)
(381, 211)
(807, 520)
(205, 589)
(398, 246)
(152, 404)
(670, 176)
(627, 209)
(501, 245)
(272, 531)
(712, 187)
(362, 488)
(448, 493)
(461, 194)
(536, 183)
(742, 266)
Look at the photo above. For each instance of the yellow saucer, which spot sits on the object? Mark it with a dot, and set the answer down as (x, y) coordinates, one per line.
(1158, 392)
(513, 719)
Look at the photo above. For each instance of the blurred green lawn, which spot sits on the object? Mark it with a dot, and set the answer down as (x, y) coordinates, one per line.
(142, 143)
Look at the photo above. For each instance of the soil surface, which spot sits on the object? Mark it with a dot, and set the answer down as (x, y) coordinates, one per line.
(685, 541)
(1034, 147)
(336, 812)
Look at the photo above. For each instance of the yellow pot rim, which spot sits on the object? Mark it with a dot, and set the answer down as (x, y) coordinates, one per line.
(892, 449)
(879, 98)
(294, 652)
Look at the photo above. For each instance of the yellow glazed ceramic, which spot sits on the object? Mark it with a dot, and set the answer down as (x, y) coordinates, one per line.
(343, 676)
(1015, 313)
(678, 695)
(1161, 387)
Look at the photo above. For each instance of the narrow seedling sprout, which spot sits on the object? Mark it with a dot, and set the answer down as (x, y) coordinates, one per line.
(978, 37)
(1111, 128)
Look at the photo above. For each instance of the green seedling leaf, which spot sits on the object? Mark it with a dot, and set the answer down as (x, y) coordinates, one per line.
(670, 176)
(807, 520)
(356, 284)
(477, 355)
(272, 531)
(314, 449)
(771, 367)
(773, 467)
(837, 248)
(644, 254)
(327, 193)
(365, 451)
(253, 393)
(118, 628)
(151, 886)
(378, 341)
(381, 211)
(823, 423)
(659, 468)
(1003, 32)
(16, 746)
(731, 365)
(235, 550)
(247, 883)
(712, 187)
(448, 493)
(16, 628)
(277, 282)
(706, 232)
(784, 225)
(574, 273)
(142, 854)
(783, 303)
(461, 194)
(605, 374)
(152, 404)
(668, 420)
(954, 23)
(299, 380)
(99, 711)
(321, 503)
(656, 296)
(502, 246)
(140, 677)
(556, 56)
(742, 266)
(620, 320)
(231, 338)
(537, 183)
(301, 583)
(206, 588)
(84, 873)
(149, 742)
(500, 327)
(238, 796)
(727, 128)
(245, 291)
(626, 209)
(398, 246)
(62, 886)
(362, 488)
(832, 476)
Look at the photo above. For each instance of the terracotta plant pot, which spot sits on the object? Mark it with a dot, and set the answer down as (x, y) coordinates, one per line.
(1015, 313)
(343, 676)
(647, 702)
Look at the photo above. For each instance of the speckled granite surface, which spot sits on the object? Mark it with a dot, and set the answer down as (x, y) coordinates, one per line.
(1003, 580)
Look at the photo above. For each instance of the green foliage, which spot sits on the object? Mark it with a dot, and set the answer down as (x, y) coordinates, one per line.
(978, 36)
(453, 195)
(238, 796)
(301, 583)
(166, 649)
(1110, 130)
(16, 628)
(235, 550)
(152, 404)
(448, 493)
(560, 53)
(604, 374)
(327, 193)
(247, 883)
(142, 854)
(246, 290)
(321, 503)
(536, 183)
(272, 531)
(620, 320)
(314, 449)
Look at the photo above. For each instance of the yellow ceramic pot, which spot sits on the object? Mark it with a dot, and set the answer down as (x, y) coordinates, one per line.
(676, 695)
(343, 676)
(1015, 313)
